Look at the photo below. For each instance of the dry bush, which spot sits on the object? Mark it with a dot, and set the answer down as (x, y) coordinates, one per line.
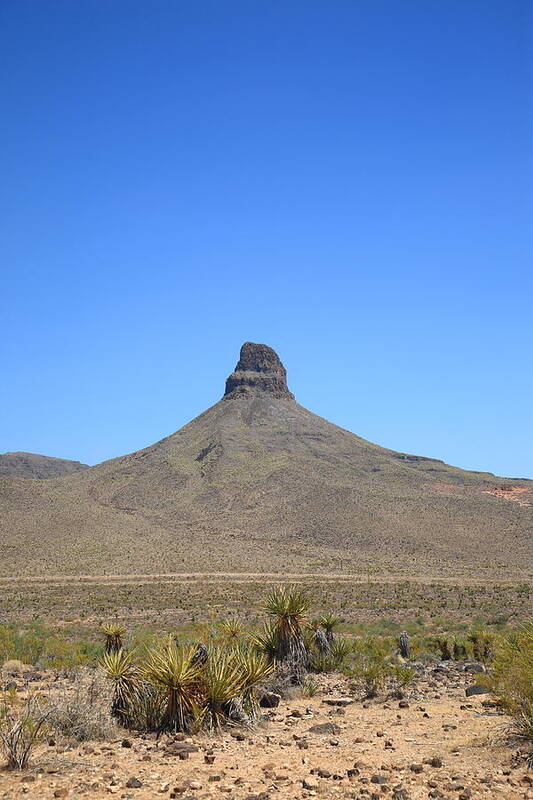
(22, 725)
(82, 711)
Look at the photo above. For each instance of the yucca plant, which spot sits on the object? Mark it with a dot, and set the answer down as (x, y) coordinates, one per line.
(320, 641)
(322, 661)
(114, 635)
(443, 646)
(173, 672)
(148, 708)
(482, 644)
(231, 631)
(329, 622)
(122, 669)
(331, 659)
(255, 668)
(403, 645)
(224, 682)
(288, 606)
(266, 642)
(341, 649)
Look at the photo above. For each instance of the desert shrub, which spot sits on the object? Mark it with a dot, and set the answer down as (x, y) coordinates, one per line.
(322, 662)
(309, 688)
(38, 646)
(332, 659)
(22, 725)
(403, 677)
(371, 674)
(510, 679)
(459, 649)
(81, 711)
(370, 668)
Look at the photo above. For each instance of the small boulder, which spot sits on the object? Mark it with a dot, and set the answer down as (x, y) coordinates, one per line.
(328, 728)
(475, 689)
(339, 701)
(269, 700)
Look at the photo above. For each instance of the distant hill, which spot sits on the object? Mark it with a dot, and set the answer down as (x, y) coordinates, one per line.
(32, 465)
(259, 483)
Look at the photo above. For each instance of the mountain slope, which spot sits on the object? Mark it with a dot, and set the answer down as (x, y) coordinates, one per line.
(258, 482)
(32, 465)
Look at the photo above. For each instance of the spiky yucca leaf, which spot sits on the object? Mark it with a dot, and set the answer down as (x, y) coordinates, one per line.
(114, 635)
(231, 631)
(329, 623)
(255, 667)
(173, 671)
(266, 642)
(289, 606)
(341, 649)
(223, 681)
(122, 669)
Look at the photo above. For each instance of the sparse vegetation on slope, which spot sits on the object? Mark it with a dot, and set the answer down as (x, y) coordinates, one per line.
(275, 484)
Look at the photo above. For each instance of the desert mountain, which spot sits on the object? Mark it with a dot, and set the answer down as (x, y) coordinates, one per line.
(259, 483)
(32, 465)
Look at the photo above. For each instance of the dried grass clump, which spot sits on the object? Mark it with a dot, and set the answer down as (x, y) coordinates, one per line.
(82, 711)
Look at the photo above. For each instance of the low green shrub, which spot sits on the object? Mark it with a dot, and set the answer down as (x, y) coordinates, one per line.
(510, 679)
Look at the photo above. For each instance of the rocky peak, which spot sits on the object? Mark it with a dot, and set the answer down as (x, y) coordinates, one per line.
(258, 369)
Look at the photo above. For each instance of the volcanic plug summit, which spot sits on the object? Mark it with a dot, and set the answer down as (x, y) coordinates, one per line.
(257, 483)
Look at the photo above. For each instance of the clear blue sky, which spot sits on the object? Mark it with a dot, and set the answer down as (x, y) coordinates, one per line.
(348, 182)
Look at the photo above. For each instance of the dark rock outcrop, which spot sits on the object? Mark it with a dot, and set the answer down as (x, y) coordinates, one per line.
(259, 369)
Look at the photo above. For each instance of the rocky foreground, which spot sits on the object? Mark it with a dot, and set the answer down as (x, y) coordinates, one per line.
(438, 742)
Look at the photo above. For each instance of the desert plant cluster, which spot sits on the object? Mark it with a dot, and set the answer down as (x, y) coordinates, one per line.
(167, 685)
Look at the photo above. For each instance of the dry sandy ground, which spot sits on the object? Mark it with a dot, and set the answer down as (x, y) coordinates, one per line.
(243, 577)
(379, 749)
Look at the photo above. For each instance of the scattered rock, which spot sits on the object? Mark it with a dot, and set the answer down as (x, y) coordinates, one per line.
(476, 689)
(269, 700)
(339, 701)
(330, 728)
